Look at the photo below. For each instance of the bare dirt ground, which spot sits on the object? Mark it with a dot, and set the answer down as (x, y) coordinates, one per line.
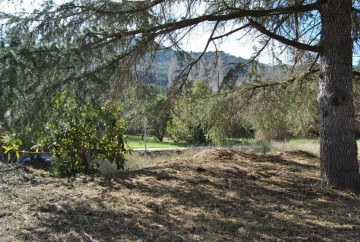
(217, 195)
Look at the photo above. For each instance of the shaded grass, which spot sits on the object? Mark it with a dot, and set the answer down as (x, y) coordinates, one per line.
(215, 195)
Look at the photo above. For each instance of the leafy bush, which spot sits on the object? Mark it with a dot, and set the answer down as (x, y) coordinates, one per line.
(10, 145)
(191, 116)
(77, 133)
(201, 117)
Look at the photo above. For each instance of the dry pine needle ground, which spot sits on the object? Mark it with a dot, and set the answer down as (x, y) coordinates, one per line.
(217, 195)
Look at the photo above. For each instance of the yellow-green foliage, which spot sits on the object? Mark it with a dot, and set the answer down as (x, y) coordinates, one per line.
(10, 145)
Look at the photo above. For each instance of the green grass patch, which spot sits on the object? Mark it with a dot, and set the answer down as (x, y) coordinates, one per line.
(136, 142)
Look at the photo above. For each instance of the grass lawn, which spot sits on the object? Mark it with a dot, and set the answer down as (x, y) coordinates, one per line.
(308, 145)
(135, 142)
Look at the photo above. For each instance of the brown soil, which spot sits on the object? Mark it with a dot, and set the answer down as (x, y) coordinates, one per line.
(218, 195)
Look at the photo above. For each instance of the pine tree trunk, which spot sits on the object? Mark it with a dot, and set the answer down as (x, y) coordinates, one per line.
(338, 149)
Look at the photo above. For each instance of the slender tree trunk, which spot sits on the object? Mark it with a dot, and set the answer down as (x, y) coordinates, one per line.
(338, 149)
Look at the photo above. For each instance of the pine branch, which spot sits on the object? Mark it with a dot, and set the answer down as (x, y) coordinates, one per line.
(282, 39)
(232, 15)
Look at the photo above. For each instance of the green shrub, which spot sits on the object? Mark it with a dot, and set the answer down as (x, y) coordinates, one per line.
(190, 116)
(79, 132)
(10, 145)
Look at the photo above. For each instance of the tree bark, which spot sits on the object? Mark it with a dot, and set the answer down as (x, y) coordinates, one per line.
(338, 148)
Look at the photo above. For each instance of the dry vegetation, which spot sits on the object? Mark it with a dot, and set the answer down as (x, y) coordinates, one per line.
(216, 195)
(310, 147)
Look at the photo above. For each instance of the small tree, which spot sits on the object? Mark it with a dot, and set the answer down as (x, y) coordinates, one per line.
(77, 133)
(190, 116)
(283, 108)
(158, 115)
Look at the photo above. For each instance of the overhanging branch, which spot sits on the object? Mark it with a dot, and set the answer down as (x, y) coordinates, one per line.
(282, 39)
(232, 15)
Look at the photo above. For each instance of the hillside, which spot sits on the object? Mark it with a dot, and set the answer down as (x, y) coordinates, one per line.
(159, 71)
(217, 195)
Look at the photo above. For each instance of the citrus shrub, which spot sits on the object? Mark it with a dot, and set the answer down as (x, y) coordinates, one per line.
(78, 132)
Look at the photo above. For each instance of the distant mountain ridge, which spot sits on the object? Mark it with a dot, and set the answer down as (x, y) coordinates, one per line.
(163, 59)
(160, 67)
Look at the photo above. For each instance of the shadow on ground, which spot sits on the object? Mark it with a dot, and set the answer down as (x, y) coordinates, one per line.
(218, 195)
